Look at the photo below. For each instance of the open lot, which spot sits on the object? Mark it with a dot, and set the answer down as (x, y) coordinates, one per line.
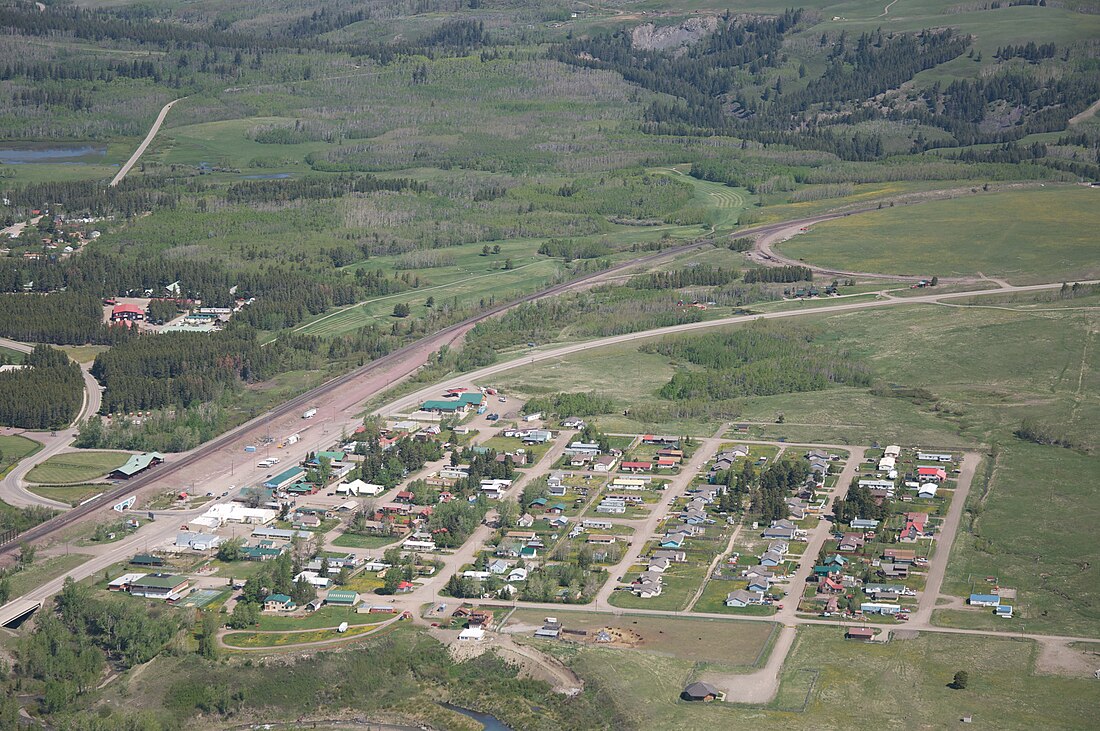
(737, 644)
(1027, 236)
(1049, 556)
(76, 467)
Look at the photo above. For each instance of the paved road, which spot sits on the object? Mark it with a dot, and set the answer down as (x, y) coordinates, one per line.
(144, 144)
(12, 490)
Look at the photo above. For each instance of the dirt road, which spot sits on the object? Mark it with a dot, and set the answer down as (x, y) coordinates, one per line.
(122, 171)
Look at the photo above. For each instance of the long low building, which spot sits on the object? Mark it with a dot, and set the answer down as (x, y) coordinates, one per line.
(136, 464)
(237, 513)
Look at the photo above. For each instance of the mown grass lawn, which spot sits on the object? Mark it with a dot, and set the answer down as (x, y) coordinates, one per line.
(75, 467)
(71, 494)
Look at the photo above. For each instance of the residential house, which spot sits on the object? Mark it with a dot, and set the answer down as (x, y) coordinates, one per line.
(658, 565)
(851, 542)
(931, 474)
(782, 529)
(573, 422)
(894, 570)
(879, 608)
(900, 555)
(589, 449)
(743, 598)
(758, 585)
(771, 558)
(603, 463)
(673, 556)
(636, 466)
(864, 524)
(673, 541)
(934, 457)
(892, 450)
(927, 491)
(984, 600)
(278, 603)
(866, 634)
(517, 574)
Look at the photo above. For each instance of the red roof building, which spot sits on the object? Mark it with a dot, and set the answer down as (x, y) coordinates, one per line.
(932, 473)
(127, 312)
(637, 466)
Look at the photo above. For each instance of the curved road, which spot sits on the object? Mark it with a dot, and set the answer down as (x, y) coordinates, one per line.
(12, 490)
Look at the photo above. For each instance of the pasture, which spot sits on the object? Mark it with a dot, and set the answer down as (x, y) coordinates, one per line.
(1026, 237)
(76, 467)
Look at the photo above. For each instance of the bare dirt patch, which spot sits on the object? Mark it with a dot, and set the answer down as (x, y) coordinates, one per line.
(1075, 660)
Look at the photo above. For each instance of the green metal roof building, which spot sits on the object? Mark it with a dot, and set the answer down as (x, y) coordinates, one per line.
(463, 402)
(285, 478)
(138, 463)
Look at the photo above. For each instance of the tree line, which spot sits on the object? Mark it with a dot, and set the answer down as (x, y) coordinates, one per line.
(703, 275)
(315, 187)
(790, 273)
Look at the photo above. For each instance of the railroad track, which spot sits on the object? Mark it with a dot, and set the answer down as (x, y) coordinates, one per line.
(446, 336)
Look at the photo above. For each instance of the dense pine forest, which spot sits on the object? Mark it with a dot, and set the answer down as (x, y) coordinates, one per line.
(46, 393)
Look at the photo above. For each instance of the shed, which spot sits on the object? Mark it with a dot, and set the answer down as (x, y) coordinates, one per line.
(701, 692)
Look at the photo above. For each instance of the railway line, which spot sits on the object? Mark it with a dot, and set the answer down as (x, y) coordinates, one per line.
(395, 365)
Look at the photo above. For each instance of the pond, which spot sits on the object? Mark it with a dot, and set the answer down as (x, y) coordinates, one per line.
(491, 723)
(267, 176)
(19, 153)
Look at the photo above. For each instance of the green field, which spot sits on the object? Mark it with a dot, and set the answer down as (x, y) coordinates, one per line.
(351, 540)
(1033, 236)
(75, 467)
(14, 448)
(72, 494)
(1050, 559)
(325, 617)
